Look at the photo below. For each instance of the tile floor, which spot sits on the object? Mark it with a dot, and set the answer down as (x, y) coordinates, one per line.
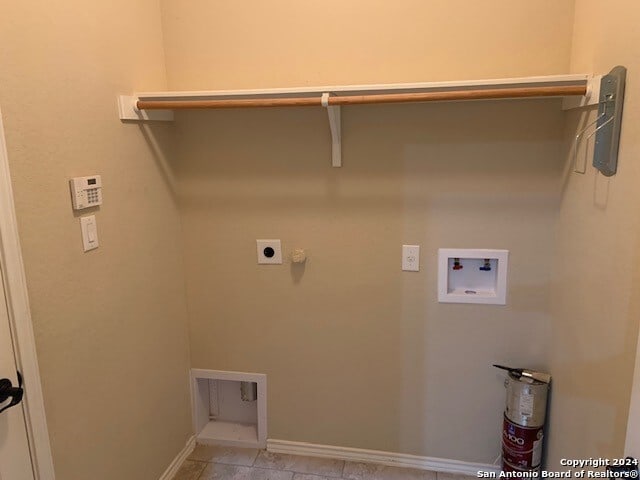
(229, 463)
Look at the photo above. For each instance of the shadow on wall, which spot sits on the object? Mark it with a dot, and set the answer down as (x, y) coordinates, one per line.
(160, 147)
(594, 306)
(459, 149)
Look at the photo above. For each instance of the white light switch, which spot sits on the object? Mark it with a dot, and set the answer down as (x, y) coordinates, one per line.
(89, 232)
(411, 258)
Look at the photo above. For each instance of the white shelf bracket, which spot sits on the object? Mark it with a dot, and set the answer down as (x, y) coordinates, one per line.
(128, 111)
(591, 98)
(336, 133)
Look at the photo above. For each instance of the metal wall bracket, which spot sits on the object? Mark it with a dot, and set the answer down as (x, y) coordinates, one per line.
(605, 154)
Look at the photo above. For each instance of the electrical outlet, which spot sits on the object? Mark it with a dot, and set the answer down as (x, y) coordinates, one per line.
(269, 252)
(411, 258)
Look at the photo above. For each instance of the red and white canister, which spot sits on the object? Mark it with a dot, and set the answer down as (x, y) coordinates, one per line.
(521, 446)
(523, 424)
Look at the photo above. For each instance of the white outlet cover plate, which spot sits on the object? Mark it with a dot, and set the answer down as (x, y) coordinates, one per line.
(276, 259)
(411, 258)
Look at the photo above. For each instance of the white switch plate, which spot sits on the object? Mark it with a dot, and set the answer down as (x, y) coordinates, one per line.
(411, 258)
(89, 229)
(269, 252)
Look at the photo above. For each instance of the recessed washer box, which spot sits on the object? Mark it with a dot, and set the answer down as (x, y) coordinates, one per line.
(472, 276)
(220, 414)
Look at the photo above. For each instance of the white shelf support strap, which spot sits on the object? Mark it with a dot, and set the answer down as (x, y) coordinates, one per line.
(336, 131)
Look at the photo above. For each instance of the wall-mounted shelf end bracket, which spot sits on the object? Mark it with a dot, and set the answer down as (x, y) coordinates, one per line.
(608, 127)
(128, 110)
(336, 131)
(588, 100)
(607, 92)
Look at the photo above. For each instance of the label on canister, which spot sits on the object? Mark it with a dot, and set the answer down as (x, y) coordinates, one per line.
(526, 401)
(521, 446)
(536, 458)
(522, 460)
(526, 404)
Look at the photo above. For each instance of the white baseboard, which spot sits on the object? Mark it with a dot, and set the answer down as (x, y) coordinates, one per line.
(376, 456)
(179, 460)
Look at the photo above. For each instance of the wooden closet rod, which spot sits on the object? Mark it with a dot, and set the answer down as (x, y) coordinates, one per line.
(486, 94)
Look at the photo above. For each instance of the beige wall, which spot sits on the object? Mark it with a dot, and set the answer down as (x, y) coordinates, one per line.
(230, 44)
(109, 324)
(596, 301)
(357, 352)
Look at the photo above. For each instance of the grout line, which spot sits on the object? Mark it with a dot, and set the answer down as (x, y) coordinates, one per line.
(296, 471)
(199, 477)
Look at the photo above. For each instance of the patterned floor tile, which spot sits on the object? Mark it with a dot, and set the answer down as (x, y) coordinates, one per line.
(327, 467)
(190, 470)
(454, 476)
(219, 471)
(306, 476)
(226, 455)
(369, 471)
